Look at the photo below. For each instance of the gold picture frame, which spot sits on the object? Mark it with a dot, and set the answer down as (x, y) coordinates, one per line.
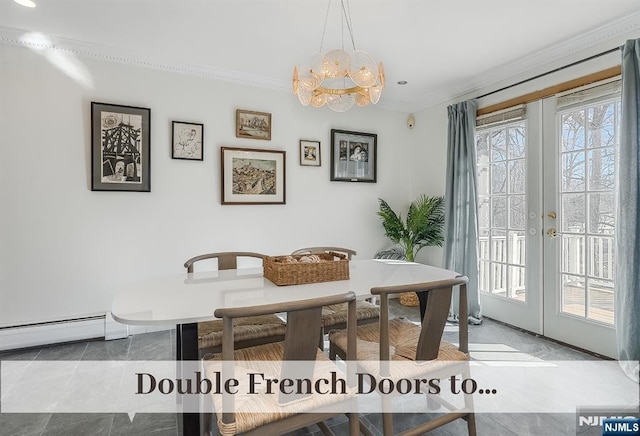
(253, 125)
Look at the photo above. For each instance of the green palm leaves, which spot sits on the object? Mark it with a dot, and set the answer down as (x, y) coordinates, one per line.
(423, 227)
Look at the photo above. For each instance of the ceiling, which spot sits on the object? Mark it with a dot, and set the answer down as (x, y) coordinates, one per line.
(442, 48)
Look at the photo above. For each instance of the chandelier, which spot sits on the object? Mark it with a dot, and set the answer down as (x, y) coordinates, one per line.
(337, 78)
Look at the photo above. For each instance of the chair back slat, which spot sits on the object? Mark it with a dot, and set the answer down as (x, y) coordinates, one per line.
(435, 318)
(303, 334)
(227, 261)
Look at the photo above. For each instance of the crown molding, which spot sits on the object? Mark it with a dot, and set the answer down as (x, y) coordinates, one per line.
(16, 37)
(546, 59)
(524, 66)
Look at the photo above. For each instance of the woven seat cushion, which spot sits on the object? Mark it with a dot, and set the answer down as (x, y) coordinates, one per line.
(337, 313)
(257, 359)
(246, 328)
(403, 339)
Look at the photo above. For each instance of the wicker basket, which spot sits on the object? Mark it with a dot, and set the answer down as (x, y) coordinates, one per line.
(409, 299)
(331, 266)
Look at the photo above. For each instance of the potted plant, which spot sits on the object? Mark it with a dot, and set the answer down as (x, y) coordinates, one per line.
(423, 227)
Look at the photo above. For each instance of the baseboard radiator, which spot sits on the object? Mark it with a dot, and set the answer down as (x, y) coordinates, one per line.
(100, 326)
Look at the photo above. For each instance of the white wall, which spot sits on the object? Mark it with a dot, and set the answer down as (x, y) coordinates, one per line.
(65, 250)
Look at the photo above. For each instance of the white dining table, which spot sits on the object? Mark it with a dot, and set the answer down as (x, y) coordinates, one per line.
(185, 299)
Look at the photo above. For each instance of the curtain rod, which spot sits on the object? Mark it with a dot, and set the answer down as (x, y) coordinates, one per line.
(551, 72)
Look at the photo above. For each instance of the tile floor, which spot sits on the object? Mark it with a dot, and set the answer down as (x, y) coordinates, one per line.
(160, 346)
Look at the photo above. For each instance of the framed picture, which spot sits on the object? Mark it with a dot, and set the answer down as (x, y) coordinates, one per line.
(309, 153)
(253, 125)
(252, 176)
(120, 148)
(187, 140)
(353, 156)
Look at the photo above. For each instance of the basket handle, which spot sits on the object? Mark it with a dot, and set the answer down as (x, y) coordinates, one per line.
(336, 254)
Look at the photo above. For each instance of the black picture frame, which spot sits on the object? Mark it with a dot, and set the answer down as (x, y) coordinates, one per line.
(188, 140)
(353, 156)
(120, 148)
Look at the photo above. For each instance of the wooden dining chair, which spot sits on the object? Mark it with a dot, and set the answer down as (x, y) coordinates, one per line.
(335, 315)
(263, 412)
(399, 340)
(249, 331)
(317, 250)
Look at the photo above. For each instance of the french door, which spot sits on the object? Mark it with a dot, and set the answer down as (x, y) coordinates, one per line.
(509, 204)
(579, 208)
(546, 196)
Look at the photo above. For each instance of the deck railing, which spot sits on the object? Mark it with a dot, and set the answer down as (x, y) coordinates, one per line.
(494, 252)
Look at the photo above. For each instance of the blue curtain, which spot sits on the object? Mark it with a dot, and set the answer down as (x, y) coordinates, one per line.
(627, 307)
(461, 209)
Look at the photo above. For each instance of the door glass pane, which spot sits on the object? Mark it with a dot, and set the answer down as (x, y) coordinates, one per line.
(499, 178)
(501, 171)
(516, 212)
(498, 246)
(516, 141)
(573, 210)
(601, 257)
(573, 172)
(482, 147)
(602, 167)
(482, 172)
(484, 283)
(484, 211)
(573, 295)
(572, 131)
(573, 254)
(516, 176)
(499, 212)
(517, 250)
(601, 300)
(499, 279)
(601, 213)
(516, 282)
(589, 138)
(602, 126)
(498, 145)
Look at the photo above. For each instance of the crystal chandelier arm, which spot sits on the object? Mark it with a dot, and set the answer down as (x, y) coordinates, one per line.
(338, 91)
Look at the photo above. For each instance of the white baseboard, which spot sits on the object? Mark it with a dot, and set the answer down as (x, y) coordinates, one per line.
(101, 326)
(51, 333)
